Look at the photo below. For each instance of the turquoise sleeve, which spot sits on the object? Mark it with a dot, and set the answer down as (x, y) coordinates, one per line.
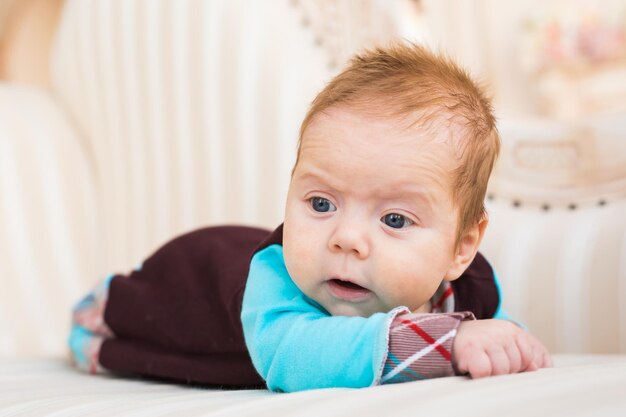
(296, 345)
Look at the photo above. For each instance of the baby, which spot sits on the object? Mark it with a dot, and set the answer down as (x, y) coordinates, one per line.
(373, 278)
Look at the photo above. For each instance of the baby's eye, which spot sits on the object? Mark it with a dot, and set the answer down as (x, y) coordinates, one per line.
(322, 205)
(395, 220)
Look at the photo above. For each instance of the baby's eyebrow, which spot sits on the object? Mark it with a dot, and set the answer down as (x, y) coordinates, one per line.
(400, 191)
(311, 176)
(412, 194)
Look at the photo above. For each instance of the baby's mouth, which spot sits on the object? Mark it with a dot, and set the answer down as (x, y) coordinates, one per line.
(347, 290)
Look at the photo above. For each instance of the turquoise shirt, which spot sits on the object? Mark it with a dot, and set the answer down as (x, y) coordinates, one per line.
(295, 344)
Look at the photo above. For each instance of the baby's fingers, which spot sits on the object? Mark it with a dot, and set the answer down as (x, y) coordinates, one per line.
(500, 360)
(526, 353)
(515, 358)
(542, 356)
(479, 364)
(547, 360)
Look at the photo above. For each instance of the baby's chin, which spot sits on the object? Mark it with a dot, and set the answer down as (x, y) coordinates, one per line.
(353, 310)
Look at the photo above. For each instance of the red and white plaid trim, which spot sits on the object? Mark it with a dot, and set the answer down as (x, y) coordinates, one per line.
(420, 346)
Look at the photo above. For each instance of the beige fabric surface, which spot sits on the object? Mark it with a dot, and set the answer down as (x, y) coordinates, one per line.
(577, 386)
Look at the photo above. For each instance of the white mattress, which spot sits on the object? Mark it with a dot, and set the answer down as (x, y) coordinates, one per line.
(578, 385)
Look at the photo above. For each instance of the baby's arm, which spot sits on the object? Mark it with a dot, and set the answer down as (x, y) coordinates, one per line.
(295, 345)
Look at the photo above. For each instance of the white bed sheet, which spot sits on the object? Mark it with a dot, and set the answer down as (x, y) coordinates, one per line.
(578, 385)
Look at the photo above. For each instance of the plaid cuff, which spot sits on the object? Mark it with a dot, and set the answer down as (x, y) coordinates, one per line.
(420, 346)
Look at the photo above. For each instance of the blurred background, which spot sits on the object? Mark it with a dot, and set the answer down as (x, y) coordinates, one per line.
(124, 123)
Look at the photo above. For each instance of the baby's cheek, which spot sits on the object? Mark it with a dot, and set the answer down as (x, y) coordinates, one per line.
(299, 261)
(290, 253)
(406, 283)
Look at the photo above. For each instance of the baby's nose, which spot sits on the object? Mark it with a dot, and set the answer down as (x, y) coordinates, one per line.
(350, 239)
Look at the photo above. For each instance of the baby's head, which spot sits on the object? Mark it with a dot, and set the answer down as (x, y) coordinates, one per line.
(386, 196)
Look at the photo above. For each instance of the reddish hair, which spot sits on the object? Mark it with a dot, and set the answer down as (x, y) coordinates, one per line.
(406, 79)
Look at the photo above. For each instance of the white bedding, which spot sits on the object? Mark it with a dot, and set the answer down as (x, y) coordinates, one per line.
(578, 385)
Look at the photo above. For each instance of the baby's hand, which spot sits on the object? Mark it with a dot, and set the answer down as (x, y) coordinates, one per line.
(496, 347)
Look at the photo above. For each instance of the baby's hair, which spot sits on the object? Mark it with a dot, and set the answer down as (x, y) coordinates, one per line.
(406, 79)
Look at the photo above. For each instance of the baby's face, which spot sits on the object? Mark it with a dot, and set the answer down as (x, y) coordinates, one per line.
(369, 223)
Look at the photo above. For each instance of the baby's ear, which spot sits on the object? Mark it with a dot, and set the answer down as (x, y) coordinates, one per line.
(466, 250)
